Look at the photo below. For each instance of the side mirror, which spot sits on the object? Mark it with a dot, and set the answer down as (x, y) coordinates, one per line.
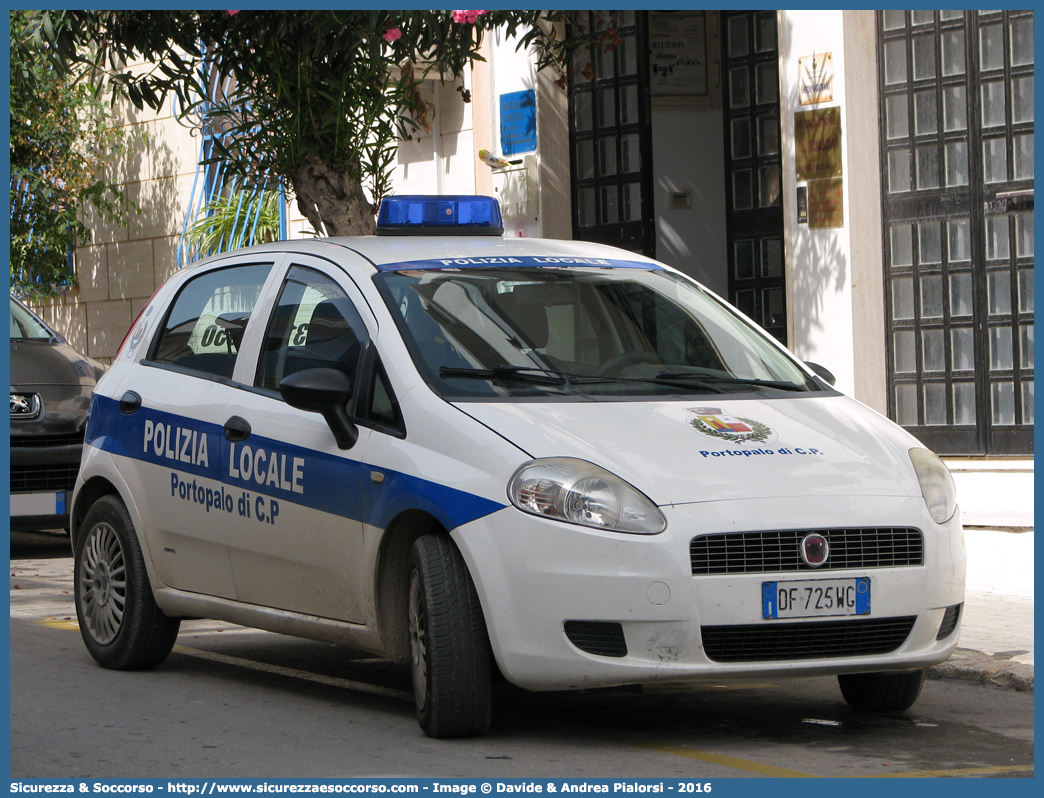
(323, 391)
(822, 372)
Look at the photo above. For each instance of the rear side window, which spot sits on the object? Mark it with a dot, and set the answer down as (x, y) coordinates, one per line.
(206, 323)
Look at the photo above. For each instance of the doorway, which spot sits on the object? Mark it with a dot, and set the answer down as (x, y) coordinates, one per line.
(710, 202)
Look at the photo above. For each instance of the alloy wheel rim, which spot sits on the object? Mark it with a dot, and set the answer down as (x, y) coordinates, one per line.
(418, 625)
(103, 584)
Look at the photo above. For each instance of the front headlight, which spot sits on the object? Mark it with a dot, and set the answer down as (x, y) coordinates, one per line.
(940, 494)
(582, 493)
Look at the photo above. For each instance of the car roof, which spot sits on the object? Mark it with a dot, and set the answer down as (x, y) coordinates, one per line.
(384, 251)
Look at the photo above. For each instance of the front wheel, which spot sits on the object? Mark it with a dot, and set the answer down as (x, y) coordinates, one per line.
(119, 621)
(449, 647)
(881, 692)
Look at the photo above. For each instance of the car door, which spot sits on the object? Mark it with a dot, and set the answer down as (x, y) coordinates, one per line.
(294, 539)
(173, 403)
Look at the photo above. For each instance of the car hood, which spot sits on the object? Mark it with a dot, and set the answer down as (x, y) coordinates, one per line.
(38, 363)
(713, 449)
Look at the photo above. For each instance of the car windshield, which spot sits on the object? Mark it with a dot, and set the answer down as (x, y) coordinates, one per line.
(527, 332)
(26, 327)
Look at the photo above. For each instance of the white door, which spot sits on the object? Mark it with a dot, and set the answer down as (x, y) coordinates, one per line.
(295, 536)
(173, 405)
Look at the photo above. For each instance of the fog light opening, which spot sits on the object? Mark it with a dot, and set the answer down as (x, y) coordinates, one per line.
(949, 621)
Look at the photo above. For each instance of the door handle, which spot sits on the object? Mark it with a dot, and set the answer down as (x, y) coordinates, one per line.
(130, 403)
(237, 429)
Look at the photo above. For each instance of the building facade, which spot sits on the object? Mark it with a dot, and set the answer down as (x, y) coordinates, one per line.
(859, 183)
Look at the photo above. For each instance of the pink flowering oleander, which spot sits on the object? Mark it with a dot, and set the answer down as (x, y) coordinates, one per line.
(393, 34)
(469, 17)
(232, 13)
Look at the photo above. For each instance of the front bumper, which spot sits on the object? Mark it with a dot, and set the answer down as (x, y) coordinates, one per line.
(533, 575)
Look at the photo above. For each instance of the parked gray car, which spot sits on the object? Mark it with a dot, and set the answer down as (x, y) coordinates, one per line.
(51, 386)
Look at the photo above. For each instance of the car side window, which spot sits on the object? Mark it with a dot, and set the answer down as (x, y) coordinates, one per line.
(314, 325)
(207, 321)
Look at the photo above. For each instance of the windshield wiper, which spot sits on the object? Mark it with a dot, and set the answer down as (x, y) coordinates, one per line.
(783, 386)
(500, 371)
(551, 376)
(676, 379)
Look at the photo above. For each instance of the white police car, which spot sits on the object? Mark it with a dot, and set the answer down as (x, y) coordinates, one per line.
(459, 450)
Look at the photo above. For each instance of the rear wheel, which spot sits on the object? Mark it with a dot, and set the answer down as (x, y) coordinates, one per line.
(881, 692)
(119, 621)
(449, 647)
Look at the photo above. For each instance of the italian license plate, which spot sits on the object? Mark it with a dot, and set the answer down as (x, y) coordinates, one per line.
(815, 598)
(23, 504)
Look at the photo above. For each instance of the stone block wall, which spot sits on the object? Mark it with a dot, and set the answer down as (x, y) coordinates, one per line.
(123, 264)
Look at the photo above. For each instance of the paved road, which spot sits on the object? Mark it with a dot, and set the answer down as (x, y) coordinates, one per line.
(232, 702)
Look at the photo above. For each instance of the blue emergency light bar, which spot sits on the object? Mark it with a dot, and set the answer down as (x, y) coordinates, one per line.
(439, 215)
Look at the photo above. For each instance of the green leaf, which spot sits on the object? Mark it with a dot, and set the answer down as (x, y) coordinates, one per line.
(304, 84)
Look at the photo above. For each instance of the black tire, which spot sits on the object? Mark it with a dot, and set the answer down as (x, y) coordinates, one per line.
(119, 621)
(881, 692)
(449, 648)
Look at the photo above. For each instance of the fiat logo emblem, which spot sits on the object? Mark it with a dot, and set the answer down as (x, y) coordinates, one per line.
(814, 550)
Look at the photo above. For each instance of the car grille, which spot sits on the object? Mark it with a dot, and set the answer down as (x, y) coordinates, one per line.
(761, 552)
(818, 640)
(38, 478)
(42, 441)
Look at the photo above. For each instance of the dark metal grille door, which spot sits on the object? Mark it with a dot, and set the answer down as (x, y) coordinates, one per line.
(957, 156)
(752, 134)
(609, 132)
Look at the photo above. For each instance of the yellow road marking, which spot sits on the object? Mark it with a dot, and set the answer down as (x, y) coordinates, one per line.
(772, 770)
(931, 774)
(721, 759)
(58, 623)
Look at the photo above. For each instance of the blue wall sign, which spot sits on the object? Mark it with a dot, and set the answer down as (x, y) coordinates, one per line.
(518, 122)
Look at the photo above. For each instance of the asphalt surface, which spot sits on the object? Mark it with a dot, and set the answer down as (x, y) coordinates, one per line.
(237, 703)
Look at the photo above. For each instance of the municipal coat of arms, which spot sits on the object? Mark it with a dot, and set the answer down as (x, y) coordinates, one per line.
(713, 421)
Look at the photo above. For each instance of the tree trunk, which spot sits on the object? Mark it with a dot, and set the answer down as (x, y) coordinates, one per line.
(332, 200)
